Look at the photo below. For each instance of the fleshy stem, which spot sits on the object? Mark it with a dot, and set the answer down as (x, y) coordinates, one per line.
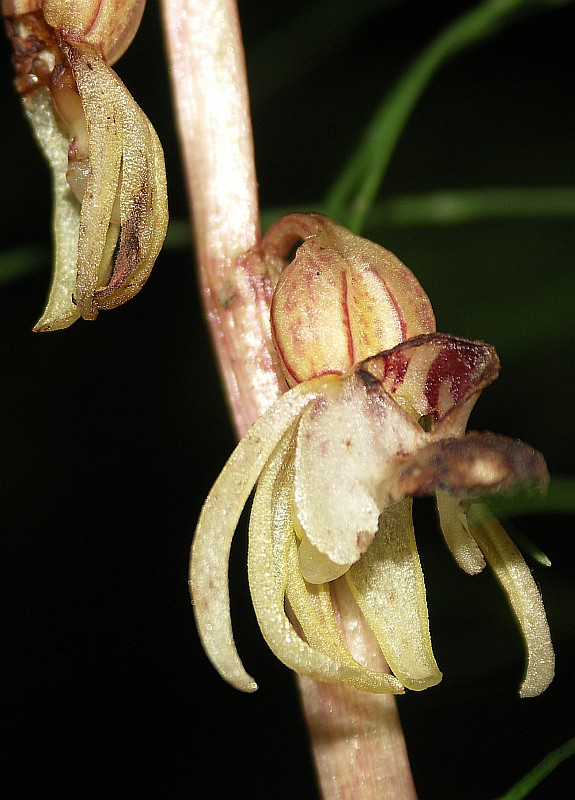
(356, 738)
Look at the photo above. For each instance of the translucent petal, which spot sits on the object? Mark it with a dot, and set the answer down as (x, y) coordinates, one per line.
(388, 586)
(453, 523)
(515, 577)
(272, 565)
(217, 524)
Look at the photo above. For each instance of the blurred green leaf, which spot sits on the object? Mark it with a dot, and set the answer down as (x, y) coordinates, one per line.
(472, 205)
(559, 499)
(353, 193)
(20, 262)
(541, 771)
(273, 64)
(456, 207)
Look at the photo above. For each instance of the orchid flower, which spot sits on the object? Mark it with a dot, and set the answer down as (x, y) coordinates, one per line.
(336, 461)
(109, 182)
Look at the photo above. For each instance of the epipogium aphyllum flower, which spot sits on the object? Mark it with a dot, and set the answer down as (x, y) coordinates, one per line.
(377, 415)
(108, 175)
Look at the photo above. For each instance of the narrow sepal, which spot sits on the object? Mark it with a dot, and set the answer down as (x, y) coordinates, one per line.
(61, 310)
(518, 584)
(455, 530)
(216, 526)
(126, 168)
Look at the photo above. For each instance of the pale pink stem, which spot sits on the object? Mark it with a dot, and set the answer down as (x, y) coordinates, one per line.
(212, 107)
(356, 738)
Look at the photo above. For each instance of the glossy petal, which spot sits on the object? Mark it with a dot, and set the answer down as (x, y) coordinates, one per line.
(216, 526)
(515, 577)
(389, 588)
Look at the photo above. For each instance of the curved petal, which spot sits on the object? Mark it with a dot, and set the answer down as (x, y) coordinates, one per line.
(273, 569)
(317, 567)
(389, 588)
(515, 577)
(143, 205)
(98, 93)
(60, 311)
(314, 612)
(126, 162)
(453, 524)
(217, 524)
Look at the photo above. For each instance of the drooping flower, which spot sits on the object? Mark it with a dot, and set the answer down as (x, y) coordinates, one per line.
(109, 183)
(337, 460)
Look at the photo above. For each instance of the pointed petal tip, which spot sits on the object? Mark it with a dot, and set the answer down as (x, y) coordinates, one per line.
(539, 676)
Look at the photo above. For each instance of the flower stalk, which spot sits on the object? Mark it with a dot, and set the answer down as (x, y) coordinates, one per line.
(211, 102)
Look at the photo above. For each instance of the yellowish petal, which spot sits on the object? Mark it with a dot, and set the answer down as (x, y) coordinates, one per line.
(389, 588)
(315, 566)
(143, 206)
(273, 566)
(126, 162)
(217, 524)
(453, 523)
(60, 311)
(97, 90)
(313, 609)
(515, 577)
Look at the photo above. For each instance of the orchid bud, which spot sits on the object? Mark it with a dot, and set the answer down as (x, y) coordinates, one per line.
(340, 300)
(106, 25)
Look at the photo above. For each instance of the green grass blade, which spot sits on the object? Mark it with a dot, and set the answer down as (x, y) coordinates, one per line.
(352, 195)
(472, 205)
(454, 207)
(559, 499)
(541, 771)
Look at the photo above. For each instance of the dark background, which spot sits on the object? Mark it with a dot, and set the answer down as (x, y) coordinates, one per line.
(112, 433)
